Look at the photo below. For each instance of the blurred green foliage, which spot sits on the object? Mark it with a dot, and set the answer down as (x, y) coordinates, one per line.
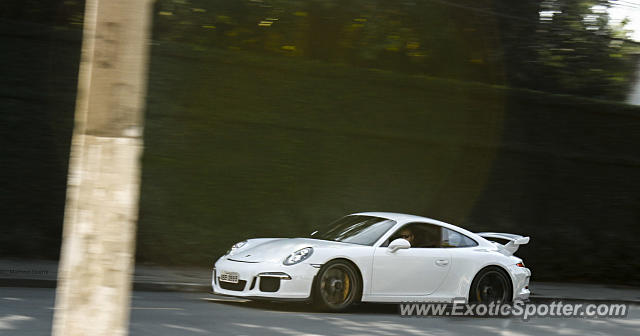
(561, 46)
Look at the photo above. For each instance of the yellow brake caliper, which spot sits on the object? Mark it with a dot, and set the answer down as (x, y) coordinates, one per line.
(346, 287)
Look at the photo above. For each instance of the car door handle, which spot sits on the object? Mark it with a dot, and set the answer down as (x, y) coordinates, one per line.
(442, 262)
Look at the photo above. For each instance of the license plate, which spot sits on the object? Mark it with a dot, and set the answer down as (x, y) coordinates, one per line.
(231, 277)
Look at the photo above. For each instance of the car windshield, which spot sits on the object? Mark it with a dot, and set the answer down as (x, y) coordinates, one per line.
(357, 229)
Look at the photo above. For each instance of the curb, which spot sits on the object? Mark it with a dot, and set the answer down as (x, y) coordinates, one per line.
(536, 298)
(28, 283)
(140, 286)
(171, 287)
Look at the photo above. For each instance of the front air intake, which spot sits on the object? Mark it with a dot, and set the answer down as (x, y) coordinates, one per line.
(269, 284)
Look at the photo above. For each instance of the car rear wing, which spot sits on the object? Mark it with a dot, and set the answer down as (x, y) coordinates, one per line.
(506, 241)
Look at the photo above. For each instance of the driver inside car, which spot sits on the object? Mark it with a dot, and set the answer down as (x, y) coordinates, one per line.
(407, 234)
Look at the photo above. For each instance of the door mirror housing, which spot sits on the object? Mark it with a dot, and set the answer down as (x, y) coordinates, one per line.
(399, 244)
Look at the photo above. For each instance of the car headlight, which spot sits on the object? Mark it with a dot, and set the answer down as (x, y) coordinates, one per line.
(298, 256)
(236, 246)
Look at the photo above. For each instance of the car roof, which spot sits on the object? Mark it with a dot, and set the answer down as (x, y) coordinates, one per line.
(400, 217)
(406, 218)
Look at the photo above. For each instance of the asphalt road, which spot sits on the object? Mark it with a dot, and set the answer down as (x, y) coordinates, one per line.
(29, 311)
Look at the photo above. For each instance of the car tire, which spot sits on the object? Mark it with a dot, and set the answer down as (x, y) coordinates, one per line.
(337, 286)
(491, 284)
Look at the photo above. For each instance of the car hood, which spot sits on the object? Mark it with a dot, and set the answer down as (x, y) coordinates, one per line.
(276, 250)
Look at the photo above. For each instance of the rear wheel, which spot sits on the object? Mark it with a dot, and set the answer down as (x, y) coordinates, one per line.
(337, 286)
(491, 284)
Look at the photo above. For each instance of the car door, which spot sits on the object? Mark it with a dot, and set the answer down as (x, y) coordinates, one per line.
(416, 271)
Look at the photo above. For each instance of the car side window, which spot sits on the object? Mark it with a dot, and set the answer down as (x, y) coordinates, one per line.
(452, 238)
(421, 235)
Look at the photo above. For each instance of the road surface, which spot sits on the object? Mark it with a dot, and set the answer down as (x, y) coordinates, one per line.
(29, 311)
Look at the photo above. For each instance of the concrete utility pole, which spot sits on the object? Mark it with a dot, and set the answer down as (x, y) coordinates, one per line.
(94, 282)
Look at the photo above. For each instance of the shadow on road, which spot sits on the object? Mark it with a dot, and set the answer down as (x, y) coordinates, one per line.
(301, 307)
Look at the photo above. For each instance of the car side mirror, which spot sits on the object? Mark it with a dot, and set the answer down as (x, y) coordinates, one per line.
(399, 244)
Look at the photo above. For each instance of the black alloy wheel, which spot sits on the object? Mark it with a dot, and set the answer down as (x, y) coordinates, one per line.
(337, 286)
(491, 285)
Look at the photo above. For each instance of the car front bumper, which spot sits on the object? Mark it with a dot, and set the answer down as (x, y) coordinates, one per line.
(256, 280)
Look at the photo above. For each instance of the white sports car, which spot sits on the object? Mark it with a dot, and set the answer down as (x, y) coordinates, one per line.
(377, 257)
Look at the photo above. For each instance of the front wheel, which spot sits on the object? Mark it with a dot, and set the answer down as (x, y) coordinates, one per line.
(491, 284)
(337, 286)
